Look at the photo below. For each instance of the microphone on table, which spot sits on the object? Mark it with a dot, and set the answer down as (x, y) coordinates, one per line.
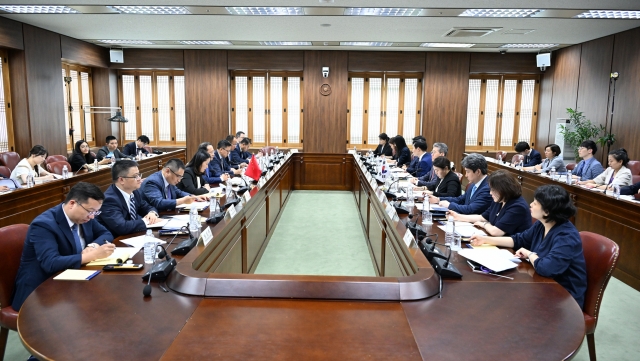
(440, 263)
(185, 246)
(415, 229)
(161, 270)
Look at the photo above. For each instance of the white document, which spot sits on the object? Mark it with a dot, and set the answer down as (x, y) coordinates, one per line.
(197, 205)
(465, 231)
(492, 260)
(161, 223)
(120, 253)
(138, 242)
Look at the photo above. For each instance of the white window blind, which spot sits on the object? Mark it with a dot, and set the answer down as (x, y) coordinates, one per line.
(129, 107)
(164, 105)
(181, 130)
(473, 112)
(526, 110)
(293, 114)
(508, 112)
(410, 108)
(357, 110)
(374, 114)
(84, 78)
(276, 109)
(146, 106)
(491, 111)
(242, 103)
(259, 118)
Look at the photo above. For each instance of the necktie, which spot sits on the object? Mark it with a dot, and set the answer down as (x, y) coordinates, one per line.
(473, 190)
(132, 207)
(76, 237)
(168, 192)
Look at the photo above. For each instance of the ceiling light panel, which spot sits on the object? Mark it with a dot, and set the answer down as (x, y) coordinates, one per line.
(285, 43)
(253, 10)
(528, 46)
(382, 12)
(205, 42)
(609, 14)
(365, 43)
(36, 9)
(446, 45)
(127, 42)
(500, 13)
(151, 10)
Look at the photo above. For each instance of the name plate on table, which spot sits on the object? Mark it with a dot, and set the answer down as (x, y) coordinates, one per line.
(390, 211)
(368, 177)
(294, 151)
(246, 196)
(381, 195)
(408, 238)
(373, 183)
(270, 173)
(351, 151)
(205, 237)
(261, 182)
(232, 211)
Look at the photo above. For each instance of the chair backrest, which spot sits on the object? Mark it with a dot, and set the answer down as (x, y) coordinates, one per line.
(571, 166)
(5, 171)
(502, 154)
(634, 166)
(9, 159)
(635, 178)
(11, 242)
(56, 167)
(517, 158)
(55, 158)
(601, 256)
(148, 149)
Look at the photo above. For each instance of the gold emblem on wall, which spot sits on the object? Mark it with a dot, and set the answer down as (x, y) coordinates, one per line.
(325, 89)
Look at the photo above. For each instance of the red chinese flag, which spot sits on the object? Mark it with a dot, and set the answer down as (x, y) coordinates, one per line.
(253, 170)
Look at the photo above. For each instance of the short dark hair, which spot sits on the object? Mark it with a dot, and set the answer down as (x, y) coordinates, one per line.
(121, 168)
(249, 139)
(522, 146)
(144, 139)
(475, 161)
(420, 144)
(109, 139)
(223, 144)
(620, 155)
(38, 150)
(203, 146)
(590, 144)
(555, 149)
(555, 201)
(82, 191)
(442, 163)
(418, 138)
(239, 133)
(245, 141)
(174, 164)
(230, 138)
(384, 137)
(505, 184)
(197, 160)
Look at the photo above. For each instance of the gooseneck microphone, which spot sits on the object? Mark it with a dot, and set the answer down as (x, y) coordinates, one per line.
(146, 291)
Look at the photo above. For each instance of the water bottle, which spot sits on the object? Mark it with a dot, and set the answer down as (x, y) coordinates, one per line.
(569, 179)
(113, 160)
(139, 155)
(616, 191)
(409, 202)
(213, 205)
(553, 173)
(149, 247)
(449, 233)
(500, 158)
(65, 172)
(30, 181)
(194, 221)
(95, 165)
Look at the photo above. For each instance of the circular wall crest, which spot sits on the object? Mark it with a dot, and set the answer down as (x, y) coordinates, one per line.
(325, 89)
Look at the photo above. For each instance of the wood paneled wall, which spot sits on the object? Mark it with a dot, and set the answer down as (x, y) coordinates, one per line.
(151, 59)
(408, 61)
(105, 94)
(207, 96)
(19, 102)
(266, 60)
(446, 90)
(11, 34)
(522, 63)
(80, 52)
(325, 126)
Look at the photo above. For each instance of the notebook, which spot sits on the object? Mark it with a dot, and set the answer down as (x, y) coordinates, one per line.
(76, 275)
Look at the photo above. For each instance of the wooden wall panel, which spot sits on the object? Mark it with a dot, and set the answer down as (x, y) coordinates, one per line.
(406, 61)
(266, 60)
(207, 97)
(80, 52)
(503, 63)
(626, 61)
(11, 34)
(19, 102)
(151, 59)
(325, 117)
(565, 85)
(44, 88)
(105, 94)
(446, 89)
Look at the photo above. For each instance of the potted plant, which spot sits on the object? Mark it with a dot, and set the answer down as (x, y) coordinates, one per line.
(580, 129)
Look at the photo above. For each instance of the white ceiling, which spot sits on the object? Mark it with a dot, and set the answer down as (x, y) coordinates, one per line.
(405, 32)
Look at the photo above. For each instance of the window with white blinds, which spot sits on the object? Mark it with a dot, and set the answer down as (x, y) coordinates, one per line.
(501, 111)
(78, 95)
(154, 104)
(267, 106)
(6, 125)
(382, 103)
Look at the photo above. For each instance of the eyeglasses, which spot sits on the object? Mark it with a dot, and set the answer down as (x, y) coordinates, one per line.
(91, 213)
(136, 176)
(176, 174)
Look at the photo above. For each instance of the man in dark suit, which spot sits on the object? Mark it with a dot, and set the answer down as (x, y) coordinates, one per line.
(423, 163)
(65, 236)
(159, 189)
(477, 198)
(219, 164)
(413, 165)
(124, 211)
(240, 155)
(136, 147)
(431, 179)
(531, 156)
(110, 150)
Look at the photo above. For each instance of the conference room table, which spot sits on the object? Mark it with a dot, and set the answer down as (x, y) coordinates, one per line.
(477, 317)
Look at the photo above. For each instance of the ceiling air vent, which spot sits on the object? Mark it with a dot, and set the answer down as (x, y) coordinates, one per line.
(469, 32)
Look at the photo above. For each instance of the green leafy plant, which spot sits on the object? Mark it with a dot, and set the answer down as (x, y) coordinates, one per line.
(580, 129)
(607, 139)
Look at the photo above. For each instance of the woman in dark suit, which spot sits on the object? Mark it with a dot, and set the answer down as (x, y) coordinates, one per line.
(192, 182)
(508, 214)
(402, 152)
(384, 148)
(449, 183)
(82, 156)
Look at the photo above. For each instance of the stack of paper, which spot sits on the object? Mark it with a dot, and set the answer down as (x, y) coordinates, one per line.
(119, 255)
(493, 260)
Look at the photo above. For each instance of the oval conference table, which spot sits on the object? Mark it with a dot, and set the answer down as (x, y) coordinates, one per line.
(478, 317)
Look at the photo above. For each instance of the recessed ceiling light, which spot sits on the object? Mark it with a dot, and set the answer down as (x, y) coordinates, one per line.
(285, 43)
(205, 42)
(529, 46)
(151, 10)
(446, 45)
(129, 42)
(37, 9)
(261, 10)
(500, 13)
(365, 43)
(382, 11)
(609, 14)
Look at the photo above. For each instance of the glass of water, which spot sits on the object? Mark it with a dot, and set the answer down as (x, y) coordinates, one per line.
(427, 217)
(149, 252)
(457, 242)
